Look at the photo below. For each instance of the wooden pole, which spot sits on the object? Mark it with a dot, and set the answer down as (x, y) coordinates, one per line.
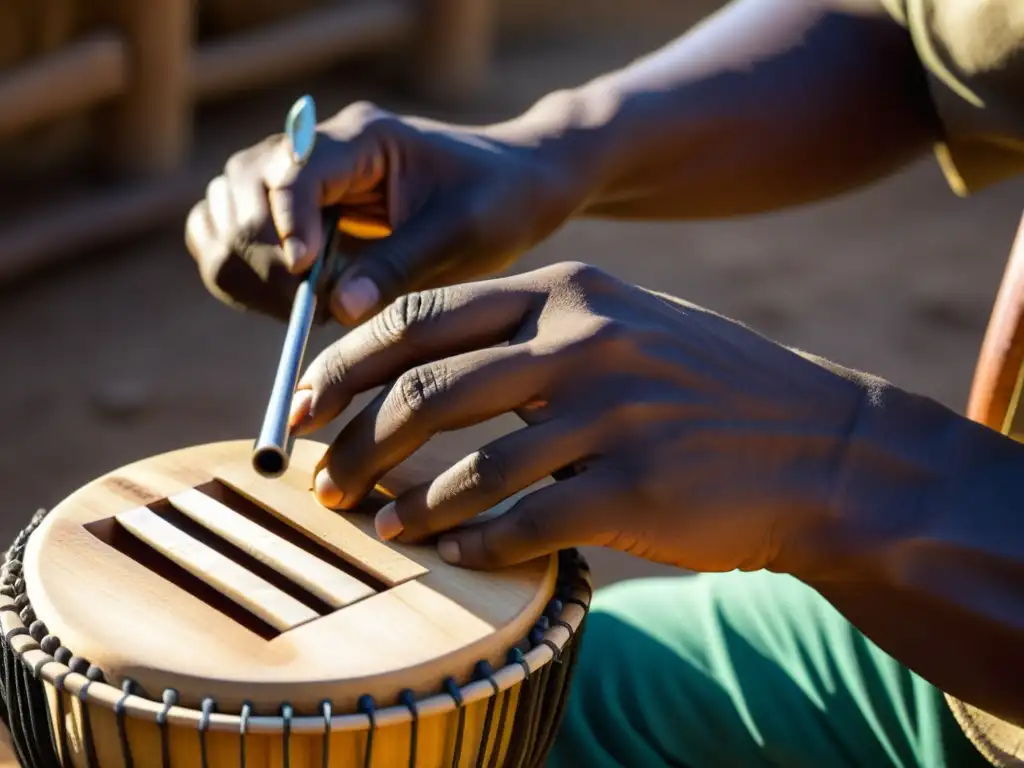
(78, 76)
(302, 44)
(70, 228)
(149, 131)
(455, 48)
(998, 371)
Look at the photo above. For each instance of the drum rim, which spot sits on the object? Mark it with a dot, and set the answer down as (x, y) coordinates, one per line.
(300, 666)
(573, 576)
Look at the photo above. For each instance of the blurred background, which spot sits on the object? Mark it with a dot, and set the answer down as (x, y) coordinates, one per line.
(112, 120)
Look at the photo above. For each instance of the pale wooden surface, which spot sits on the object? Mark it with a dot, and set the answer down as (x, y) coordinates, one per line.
(263, 599)
(331, 585)
(433, 621)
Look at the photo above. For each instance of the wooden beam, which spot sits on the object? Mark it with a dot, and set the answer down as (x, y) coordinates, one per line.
(69, 228)
(296, 46)
(82, 74)
(149, 130)
(455, 45)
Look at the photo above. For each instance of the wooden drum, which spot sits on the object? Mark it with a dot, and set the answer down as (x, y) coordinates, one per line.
(183, 611)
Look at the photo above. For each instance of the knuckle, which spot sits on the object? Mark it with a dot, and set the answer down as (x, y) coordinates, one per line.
(359, 117)
(581, 274)
(639, 483)
(195, 230)
(532, 524)
(242, 162)
(362, 110)
(329, 370)
(401, 320)
(488, 472)
(610, 335)
(418, 388)
(607, 339)
(216, 187)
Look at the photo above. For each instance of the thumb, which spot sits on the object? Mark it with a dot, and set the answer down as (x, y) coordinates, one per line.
(407, 260)
(558, 516)
(298, 194)
(294, 200)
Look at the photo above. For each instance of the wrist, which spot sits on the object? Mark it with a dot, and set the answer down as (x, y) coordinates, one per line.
(572, 131)
(891, 482)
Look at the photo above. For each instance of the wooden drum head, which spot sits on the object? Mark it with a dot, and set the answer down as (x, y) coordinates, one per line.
(188, 571)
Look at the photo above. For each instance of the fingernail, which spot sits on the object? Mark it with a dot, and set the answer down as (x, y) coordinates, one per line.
(358, 297)
(294, 251)
(327, 493)
(302, 405)
(449, 550)
(387, 523)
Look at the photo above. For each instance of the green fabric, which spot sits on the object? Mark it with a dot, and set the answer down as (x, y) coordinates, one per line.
(744, 669)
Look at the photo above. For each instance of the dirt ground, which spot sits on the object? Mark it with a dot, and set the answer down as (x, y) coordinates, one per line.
(124, 355)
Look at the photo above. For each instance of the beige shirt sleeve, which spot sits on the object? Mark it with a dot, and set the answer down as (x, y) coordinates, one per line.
(974, 53)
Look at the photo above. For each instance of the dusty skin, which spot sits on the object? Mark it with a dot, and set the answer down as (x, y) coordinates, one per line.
(125, 356)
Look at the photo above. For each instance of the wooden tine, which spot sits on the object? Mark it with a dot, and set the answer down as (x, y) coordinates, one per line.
(262, 599)
(330, 584)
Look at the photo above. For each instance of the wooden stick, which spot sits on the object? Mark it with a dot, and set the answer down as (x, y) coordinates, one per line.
(311, 40)
(333, 586)
(79, 76)
(150, 131)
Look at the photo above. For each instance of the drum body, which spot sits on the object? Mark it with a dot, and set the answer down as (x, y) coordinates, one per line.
(184, 612)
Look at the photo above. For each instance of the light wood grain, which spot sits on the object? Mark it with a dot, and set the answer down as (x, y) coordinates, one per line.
(334, 587)
(266, 601)
(339, 534)
(435, 621)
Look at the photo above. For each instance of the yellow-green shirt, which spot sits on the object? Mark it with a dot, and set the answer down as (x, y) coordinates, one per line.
(973, 51)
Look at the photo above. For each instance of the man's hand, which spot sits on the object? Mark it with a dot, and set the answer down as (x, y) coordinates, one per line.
(696, 442)
(458, 203)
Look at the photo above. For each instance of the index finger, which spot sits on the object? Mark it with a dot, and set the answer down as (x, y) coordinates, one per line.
(415, 329)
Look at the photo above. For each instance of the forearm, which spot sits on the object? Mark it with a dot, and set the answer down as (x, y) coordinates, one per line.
(767, 104)
(925, 551)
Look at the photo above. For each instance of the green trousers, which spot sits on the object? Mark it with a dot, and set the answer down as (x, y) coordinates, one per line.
(744, 669)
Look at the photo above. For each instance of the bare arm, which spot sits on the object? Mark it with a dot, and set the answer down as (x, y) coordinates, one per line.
(925, 549)
(767, 104)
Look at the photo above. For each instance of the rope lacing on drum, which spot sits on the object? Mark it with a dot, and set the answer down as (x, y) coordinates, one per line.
(368, 707)
(286, 733)
(122, 731)
(207, 708)
(408, 700)
(484, 671)
(243, 729)
(540, 703)
(327, 709)
(452, 689)
(170, 698)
